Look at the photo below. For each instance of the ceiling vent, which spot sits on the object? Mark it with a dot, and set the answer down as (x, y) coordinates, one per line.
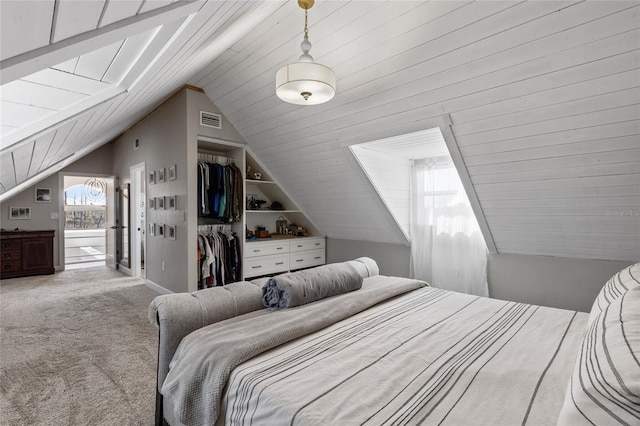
(209, 119)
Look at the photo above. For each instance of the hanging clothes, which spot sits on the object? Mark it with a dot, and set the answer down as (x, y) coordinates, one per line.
(219, 256)
(219, 190)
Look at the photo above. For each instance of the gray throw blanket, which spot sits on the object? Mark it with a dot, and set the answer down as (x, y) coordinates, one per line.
(205, 358)
(302, 287)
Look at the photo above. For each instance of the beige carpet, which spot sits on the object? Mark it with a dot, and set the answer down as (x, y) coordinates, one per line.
(76, 348)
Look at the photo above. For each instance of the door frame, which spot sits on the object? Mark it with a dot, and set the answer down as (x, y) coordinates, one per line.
(61, 216)
(137, 194)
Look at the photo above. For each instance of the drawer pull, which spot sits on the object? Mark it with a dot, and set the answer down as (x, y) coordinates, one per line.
(7, 266)
(7, 244)
(257, 251)
(280, 263)
(300, 260)
(7, 256)
(279, 248)
(299, 245)
(317, 257)
(256, 267)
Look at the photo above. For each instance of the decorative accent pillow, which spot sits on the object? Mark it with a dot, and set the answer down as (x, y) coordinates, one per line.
(605, 383)
(620, 283)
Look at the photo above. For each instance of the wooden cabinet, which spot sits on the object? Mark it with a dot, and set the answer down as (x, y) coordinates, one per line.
(25, 253)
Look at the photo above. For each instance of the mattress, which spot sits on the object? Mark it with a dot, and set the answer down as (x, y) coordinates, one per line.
(427, 356)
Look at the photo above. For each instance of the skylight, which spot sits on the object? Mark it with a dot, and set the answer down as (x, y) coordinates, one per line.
(41, 95)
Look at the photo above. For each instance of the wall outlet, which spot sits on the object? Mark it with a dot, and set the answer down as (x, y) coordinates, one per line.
(163, 265)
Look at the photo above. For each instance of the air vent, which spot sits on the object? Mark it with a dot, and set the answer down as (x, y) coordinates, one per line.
(210, 119)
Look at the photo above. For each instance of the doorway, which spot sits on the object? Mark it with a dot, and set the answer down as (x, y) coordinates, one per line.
(85, 221)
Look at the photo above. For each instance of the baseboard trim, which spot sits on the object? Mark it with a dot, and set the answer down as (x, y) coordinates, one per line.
(125, 270)
(156, 287)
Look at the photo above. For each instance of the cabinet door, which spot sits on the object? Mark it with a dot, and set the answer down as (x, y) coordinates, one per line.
(37, 253)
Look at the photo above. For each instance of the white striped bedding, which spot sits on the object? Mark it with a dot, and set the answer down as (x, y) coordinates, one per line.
(430, 356)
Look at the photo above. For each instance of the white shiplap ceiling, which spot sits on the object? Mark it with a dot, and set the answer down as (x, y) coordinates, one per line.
(543, 95)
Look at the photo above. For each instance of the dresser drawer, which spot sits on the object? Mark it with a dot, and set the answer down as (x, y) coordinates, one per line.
(7, 255)
(10, 266)
(306, 259)
(11, 244)
(307, 244)
(261, 265)
(266, 248)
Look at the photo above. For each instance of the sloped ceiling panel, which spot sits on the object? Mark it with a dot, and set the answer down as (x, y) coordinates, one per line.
(194, 41)
(31, 20)
(544, 99)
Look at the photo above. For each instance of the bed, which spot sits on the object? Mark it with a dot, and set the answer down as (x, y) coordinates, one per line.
(396, 351)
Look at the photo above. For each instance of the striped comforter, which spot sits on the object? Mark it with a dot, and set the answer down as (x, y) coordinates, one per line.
(429, 356)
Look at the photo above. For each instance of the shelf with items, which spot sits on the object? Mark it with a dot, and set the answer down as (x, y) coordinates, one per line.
(280, 237)
(268, 205)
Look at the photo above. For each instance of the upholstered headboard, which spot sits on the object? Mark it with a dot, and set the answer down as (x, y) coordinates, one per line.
(179, 314)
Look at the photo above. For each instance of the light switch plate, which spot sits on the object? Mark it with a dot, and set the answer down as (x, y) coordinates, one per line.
(55, 215)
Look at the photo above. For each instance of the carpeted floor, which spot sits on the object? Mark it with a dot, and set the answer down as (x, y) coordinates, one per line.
(76, 348)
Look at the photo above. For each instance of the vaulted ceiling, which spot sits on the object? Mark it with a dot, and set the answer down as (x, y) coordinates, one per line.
(543, 99)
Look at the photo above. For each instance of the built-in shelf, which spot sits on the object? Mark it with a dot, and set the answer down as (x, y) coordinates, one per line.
(273, 211)
(259, 181)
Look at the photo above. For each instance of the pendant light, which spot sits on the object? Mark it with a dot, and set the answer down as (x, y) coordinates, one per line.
(305, 82)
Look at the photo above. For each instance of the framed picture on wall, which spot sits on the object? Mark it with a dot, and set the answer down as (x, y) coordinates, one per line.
(152, 204)
(171, 232)
(171, 172)
(19, 212)
(152, 178)
(159, 203)
(152, 229)
(170, 202)
(161, 231)
(160, 175)
(43, 195)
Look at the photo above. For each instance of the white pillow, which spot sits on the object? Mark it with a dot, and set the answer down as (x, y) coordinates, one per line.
(617, 285)
(605, 383)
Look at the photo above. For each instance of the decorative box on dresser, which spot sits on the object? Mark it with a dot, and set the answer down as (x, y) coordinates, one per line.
(25, 253)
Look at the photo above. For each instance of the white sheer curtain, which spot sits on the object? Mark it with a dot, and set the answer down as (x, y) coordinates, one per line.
(447, 247)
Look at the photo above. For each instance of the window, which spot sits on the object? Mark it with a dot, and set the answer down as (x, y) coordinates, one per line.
(429, 202)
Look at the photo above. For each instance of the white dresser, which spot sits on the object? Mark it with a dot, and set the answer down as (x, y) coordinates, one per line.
(270, 257)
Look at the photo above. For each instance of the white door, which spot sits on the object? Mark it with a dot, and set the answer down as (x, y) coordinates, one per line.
(110, 243)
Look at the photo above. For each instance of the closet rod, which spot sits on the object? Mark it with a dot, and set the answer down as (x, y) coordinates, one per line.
(215, 158)
(213, 228)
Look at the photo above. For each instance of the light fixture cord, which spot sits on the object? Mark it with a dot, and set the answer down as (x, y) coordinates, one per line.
(306, 30)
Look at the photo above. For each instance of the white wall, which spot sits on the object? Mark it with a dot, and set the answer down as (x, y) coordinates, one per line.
(162, 138)
(550, 281)
(391, 177)
(392, 259)
(541, 280)
(98, 162)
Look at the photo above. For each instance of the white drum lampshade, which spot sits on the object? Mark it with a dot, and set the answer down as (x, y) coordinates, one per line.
(305, 83)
